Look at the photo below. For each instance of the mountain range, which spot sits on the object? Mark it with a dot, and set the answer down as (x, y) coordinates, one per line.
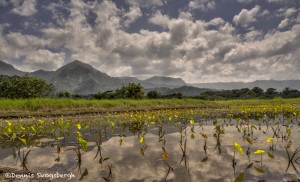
(80, 78)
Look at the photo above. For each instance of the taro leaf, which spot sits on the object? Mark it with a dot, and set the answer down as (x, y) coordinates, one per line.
(192, 135)
(33, 129)
(68, 125)
(8, 123)
(83, 143)
(249, 166)
(23, 140)
(259, 152)
(61, 123)
(79, 135)
(271, 155)
(192, 121)
(204, 135)
(106, 158)
(142, 140)
(41, 121)
(288, 130)
(249, 140)
(204, 159)
(85, 173)
(239, 148)
(270, 140)
(239, 178)
(87, 126)
(142, 151)
(253, 126)
(165, 155)
(289, 144)
(79, 126)
(259, 170)
(14, 136)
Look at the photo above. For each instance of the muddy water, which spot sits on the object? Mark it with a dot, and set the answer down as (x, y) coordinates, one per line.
(167, 153)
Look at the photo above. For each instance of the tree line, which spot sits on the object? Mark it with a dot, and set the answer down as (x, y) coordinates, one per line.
(31, 87)
(24, 87)
(246, 93)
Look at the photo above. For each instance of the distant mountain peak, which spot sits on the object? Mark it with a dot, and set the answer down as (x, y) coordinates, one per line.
(78, 63)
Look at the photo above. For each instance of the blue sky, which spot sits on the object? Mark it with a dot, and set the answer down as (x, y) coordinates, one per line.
(197, 40)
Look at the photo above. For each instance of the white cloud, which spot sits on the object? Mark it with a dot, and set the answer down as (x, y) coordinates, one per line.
(283, 24)
(25, 8)
(203, 5)
(253, 35)
(245, 1)
(159, 19)
(133, 14)
(196, 50)
(289, 12)
(245, 17)
(145, 3)
(44, 59)
(216, 22)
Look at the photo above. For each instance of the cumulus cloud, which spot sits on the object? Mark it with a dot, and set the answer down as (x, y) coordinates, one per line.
(202, 4)
(133, 14)
(194, 49)
(159, 19)
(24, 8)
(245, 17)
(283, 24)
(44, 59)
(245, 1)
(145, 3)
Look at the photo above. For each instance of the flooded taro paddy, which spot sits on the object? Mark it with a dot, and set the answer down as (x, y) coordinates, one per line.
(162, 145)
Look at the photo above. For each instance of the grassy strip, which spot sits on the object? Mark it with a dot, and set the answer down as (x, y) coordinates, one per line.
(46, 105)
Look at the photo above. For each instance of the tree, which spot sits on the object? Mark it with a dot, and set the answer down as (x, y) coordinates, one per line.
(258, 91)
(131, 91)
(64, 94)
(105, 95)
(153, 94)
(24, 87)
(271, 93)
(290, 93)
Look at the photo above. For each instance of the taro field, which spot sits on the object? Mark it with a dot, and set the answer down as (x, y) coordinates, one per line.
(245, 143)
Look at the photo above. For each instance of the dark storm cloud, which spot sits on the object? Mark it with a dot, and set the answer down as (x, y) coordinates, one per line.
(196, 41)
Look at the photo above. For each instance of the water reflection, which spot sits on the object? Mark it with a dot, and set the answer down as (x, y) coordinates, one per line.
(166, 152)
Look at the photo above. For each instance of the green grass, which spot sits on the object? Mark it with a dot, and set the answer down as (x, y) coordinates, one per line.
(60, 106)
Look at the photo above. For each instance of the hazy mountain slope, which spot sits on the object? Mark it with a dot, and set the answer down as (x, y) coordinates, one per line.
(188, 90)
(184, 90)
(81, 78)
(7, 69)
(264, 84)
(46, 75)
(160, 80)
